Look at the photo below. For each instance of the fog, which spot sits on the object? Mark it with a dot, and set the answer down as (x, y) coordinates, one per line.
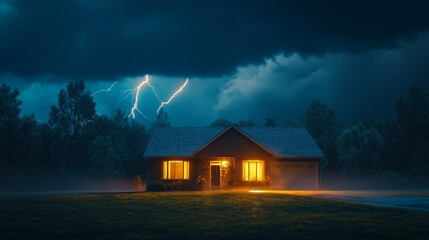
(26, 183)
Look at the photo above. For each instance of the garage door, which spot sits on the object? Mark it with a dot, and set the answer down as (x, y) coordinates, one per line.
(294, 176)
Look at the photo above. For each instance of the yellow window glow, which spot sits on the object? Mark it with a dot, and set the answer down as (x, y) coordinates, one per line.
(186, 170)
(253, 170)
(175, 169)
(164, 170)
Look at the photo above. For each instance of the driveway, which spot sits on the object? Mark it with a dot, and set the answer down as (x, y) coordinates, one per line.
(417, 200)
(407, 199)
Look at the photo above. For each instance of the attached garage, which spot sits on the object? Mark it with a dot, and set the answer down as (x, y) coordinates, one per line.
(294, 175)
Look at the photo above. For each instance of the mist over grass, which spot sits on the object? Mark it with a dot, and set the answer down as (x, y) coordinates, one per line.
(57, 182)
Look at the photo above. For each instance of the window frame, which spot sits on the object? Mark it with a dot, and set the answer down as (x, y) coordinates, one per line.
(260, 163)
(165, 173)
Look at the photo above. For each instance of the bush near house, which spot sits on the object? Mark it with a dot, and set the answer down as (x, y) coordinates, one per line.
(168, 185)
(266, 184)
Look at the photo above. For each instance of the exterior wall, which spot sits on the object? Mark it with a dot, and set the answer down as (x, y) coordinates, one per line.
(154, 170)
(233, 145)
(231, 172)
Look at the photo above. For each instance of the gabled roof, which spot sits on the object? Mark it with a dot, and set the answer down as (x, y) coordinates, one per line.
(232, 127)
(281, 142)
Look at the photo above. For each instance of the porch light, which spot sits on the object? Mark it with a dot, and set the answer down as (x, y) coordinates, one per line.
(225, 163)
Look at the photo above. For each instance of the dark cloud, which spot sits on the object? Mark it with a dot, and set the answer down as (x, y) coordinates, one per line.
(113, 39)
(356, 86)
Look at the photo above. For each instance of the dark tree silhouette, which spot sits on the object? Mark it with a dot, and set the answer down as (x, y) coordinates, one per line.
(28, 142)
(409, 134)
(161, 120)
(75, 110)
(9, 124)
(46, 147)
(321, 123)
(71, 119)
(360, 150)
(103, 156)
(136, 138)
(129, 140)
(76, 142)
(221, 122)
(9, 105)
(270, 122)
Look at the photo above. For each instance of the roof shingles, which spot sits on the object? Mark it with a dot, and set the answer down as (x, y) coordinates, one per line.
(282, 142)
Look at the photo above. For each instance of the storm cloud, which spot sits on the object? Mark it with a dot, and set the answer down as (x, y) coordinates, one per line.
(356, 86)
(96, 40)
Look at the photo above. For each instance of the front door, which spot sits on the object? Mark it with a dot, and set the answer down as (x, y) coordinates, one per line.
(215, 176)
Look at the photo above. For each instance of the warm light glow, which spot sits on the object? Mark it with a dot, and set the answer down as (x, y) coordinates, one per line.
(175, 169)
(253, 170)
(296, 192)
(172, 96)
(164, 170)
(185, 170)
(225, 163)
(257, 191)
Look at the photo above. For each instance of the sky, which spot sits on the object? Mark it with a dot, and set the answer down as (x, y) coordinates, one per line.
(244, 59)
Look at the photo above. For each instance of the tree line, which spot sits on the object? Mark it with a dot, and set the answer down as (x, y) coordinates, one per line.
(76, 140)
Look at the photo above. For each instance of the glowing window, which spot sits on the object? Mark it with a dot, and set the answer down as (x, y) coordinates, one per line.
(175, 169)
(253, 170)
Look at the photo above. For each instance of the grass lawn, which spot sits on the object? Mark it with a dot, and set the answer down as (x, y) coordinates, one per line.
(202, 215)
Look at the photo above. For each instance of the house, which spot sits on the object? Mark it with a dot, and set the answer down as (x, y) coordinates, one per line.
(232, 157)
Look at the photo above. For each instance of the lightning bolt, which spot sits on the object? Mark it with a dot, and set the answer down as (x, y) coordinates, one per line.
(136, 100)
(127, 93)
(172, 96)
(154, 92)
(130, 91)
(135, 93)
(105, 90)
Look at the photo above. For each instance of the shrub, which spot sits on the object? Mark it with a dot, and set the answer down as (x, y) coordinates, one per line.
(168, 185)
(138, 183)
(255, 184)
(156, 187)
